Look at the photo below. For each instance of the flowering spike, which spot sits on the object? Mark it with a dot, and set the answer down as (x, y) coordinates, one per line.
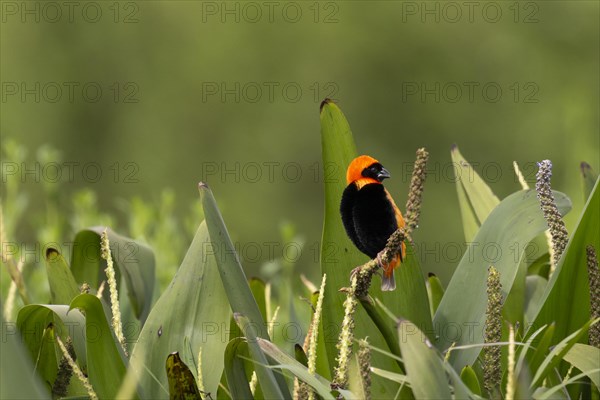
(492, 372)
(112, 285)
(558, 231)
(594, 279)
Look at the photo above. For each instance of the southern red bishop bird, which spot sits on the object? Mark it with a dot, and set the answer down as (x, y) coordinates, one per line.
(369, 213)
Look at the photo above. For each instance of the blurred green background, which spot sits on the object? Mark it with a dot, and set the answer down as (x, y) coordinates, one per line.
(166, 94)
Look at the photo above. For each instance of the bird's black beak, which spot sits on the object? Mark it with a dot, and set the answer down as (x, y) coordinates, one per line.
(381, 175)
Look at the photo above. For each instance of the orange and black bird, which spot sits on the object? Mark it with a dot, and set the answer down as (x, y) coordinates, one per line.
(369, 213)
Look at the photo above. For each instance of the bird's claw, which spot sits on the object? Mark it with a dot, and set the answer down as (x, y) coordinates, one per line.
(379, 262)
(354, 272)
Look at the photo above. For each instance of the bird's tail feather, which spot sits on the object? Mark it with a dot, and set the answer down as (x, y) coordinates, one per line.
(388, 283)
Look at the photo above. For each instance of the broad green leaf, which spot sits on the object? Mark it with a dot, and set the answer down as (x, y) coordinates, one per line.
(423, 363)
(192, 312)
(230, 269)
(541, 266)
(339, 256)
(300, 355)
(34, 318)
(257, 286)
(500, 242)
(585, 358)
(219, 245)
(63, 287)
(475, 198)
(133, 260)
(588, 179)
(46, 365)
(534, 292)
(19, 381)
(514, 304)
(382, 321)
(461, 391)
(105, 365)
(468, 376)
(435, 290)
(470, 222)
(356, 384)
(237, 378)
(569, 308)
(266, 377)
(182, 384)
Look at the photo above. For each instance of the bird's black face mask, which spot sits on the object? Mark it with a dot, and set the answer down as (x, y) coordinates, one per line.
(376, 171)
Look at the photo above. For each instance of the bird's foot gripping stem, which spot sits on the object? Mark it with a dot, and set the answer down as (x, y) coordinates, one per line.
(356, 271)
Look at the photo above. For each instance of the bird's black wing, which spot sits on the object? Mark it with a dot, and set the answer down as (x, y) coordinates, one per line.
(374, 218)
(347, 211)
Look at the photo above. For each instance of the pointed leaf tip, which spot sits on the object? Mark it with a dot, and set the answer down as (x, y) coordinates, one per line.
(326, 101)
(51, 252)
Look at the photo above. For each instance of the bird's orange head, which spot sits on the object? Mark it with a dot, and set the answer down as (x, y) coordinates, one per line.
(365, 169)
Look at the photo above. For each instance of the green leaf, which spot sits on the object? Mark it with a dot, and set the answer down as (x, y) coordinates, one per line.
(557, 354)
(514, 304)
(63, 287)
(182, 385)
(501, 242)
(585, 358)
(34, 318)
(475, 198)
(534, 293)
(237, 379)
(392, 376)
(192, 312)
(258, 287)
(230, 269)
(569, 308)
(19, 381)
(468, 376)
(541, 266)
(266, 377)
(423, 363)
(105, 366)
(547, 393)
(461, 391)
(588, 179)
(300, 355)
(322, 366)
(133, 260)
(538, 356)
(321, 385)
(339, 256)
(435, 290)
(232, 274)
(382, 322)
(523, 350)
(46, 365)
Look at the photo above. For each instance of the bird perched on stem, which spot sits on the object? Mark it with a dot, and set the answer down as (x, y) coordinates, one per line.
(370, 214)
